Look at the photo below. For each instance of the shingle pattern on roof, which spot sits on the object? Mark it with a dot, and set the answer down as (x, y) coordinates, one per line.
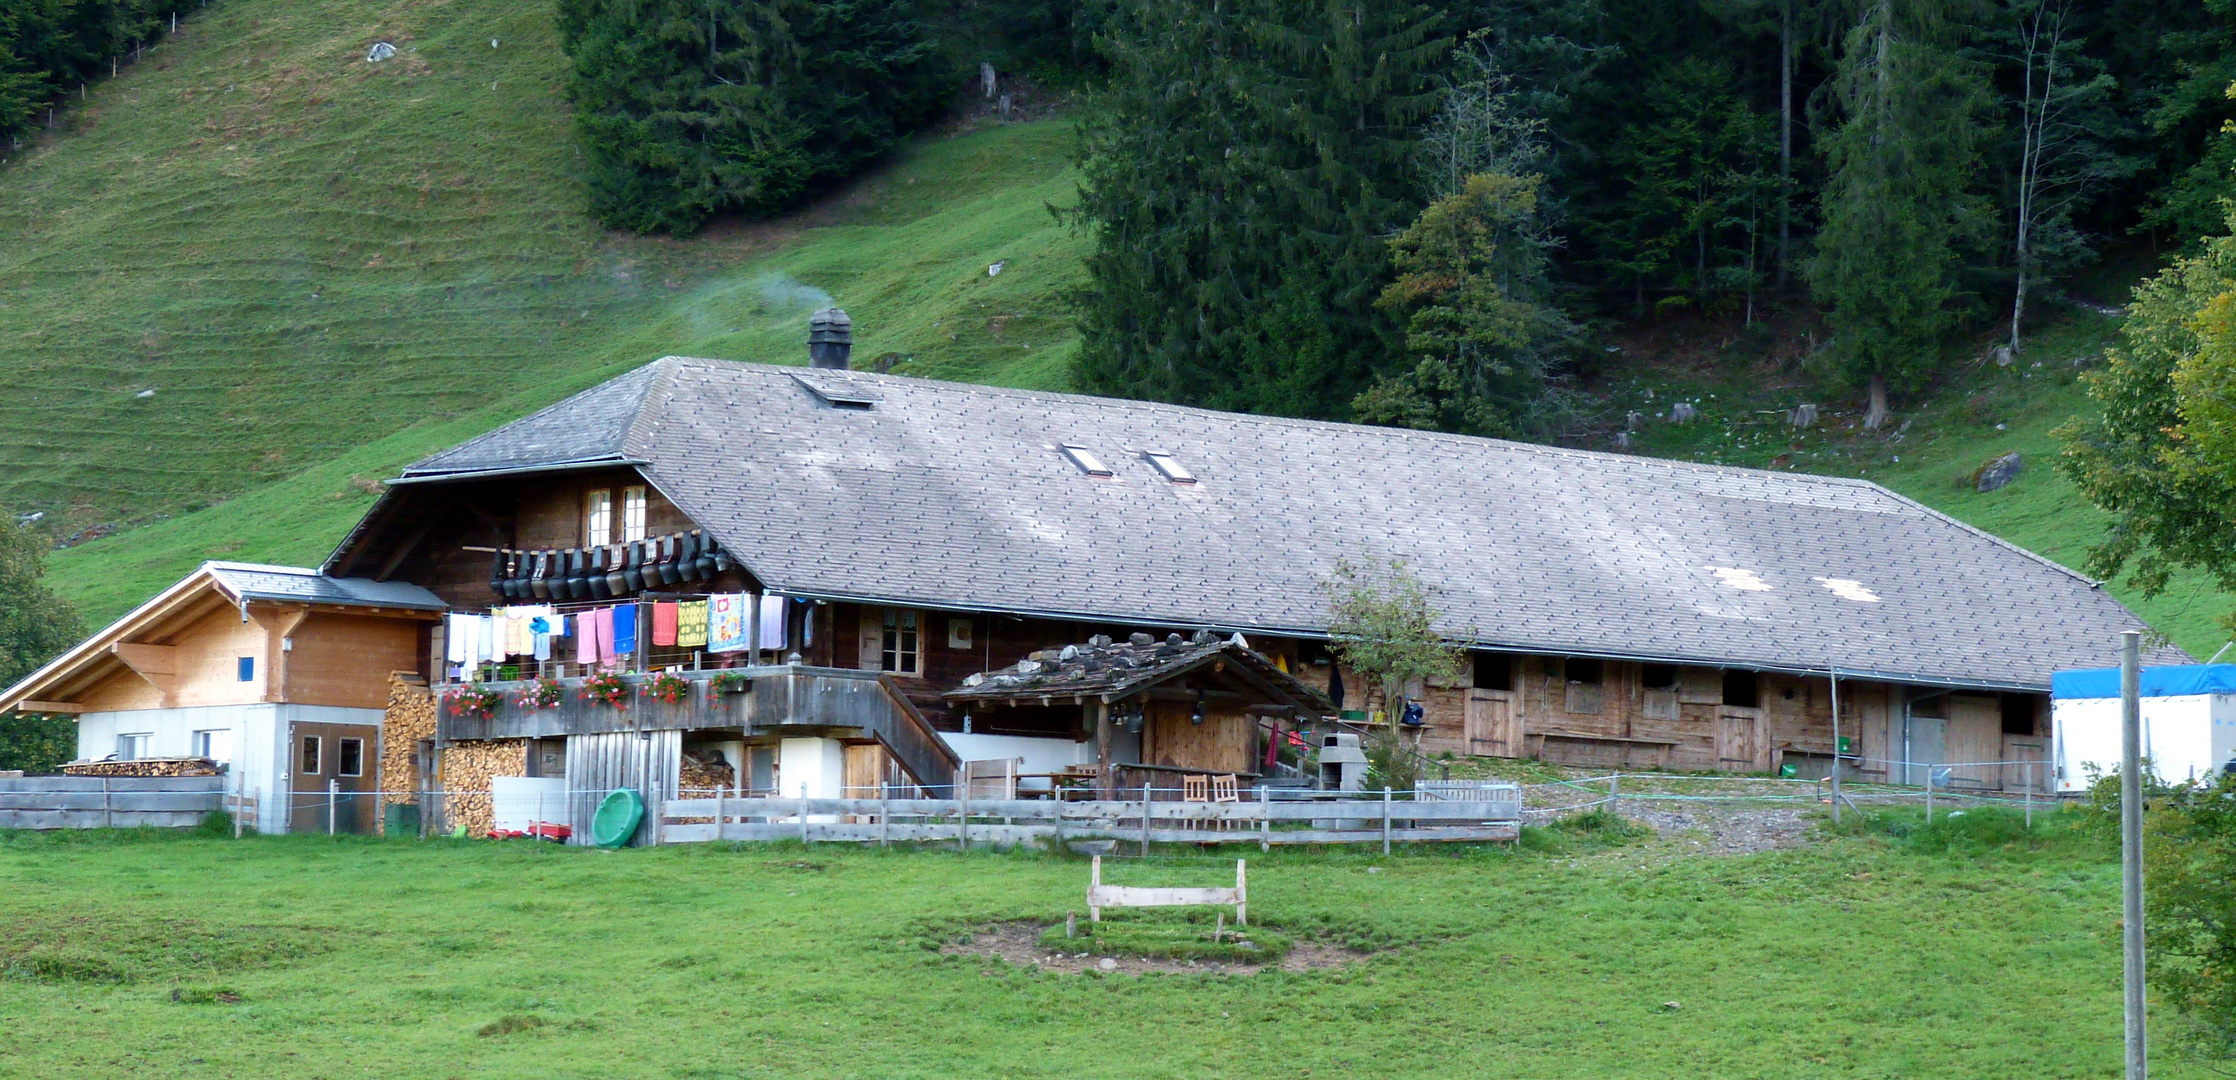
(290, 583)
(1105, 667)
(590, 426)
(955, 495)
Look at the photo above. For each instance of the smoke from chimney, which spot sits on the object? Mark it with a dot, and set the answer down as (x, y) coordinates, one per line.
(830, 339)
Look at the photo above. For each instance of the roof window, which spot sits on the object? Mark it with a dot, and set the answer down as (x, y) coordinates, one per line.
(1087, 461)
(1170, 466)
(1740, 579)
(1849, 589)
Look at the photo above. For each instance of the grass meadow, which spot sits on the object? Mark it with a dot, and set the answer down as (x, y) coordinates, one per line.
(1967, 949)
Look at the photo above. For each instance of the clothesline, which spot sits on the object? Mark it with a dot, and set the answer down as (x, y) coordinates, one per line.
(606, 634)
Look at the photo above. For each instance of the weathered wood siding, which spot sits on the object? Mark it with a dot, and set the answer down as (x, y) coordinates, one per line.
(645, 762)
(84, 802)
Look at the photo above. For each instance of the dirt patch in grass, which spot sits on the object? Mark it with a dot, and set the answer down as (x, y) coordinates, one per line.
(1021, 944)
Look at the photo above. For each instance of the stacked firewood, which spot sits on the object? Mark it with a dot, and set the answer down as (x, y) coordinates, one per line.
(703, 772)
(410, 718)
(185, 766)
(467, 768)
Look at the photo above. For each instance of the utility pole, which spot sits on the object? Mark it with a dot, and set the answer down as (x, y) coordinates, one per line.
(2131, 848)
(1834, 672)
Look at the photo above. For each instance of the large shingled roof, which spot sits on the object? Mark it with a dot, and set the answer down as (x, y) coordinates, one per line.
(851, 485)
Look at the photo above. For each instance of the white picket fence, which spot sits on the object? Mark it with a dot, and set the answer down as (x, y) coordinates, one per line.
(1383, 817)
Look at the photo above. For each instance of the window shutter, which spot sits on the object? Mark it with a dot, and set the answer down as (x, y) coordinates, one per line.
(872, 640)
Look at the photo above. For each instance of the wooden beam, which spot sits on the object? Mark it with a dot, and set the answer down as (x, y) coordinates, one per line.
(409, 544)
(71, 708)
(278, 626)
(1104, 781)
(158, 664)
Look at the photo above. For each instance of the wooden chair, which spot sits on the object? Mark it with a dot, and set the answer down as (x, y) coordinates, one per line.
(1226, 789)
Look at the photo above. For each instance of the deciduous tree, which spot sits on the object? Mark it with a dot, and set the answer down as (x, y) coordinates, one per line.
(35, 626)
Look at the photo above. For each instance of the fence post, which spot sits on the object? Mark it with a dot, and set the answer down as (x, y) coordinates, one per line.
(1614, 793)
(333, 790)
(1145, 817)
(2030, 804)
(1385, 819)
(962, 820)
(884, 813)
(1929, 797)
(719, 806)
(108, 815)
(535, 824)
(1265, 819)
(240, 798)
(803, 815)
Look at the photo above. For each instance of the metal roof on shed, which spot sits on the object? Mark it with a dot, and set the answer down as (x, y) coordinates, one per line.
(959, 496)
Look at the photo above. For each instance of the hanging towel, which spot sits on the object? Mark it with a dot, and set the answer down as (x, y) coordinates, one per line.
(586, 639)
(540, 645)
(663, 624)
(519, 640)
(726, 623)
(772, 621)
(488, 638)
(691, 624)
(602, 620)
(625, 630)
(456, 634)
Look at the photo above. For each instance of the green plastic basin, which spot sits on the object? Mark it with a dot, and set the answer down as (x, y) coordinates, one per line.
(616, 819)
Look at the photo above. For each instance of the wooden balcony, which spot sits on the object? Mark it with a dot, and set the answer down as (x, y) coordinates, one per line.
(789, 700)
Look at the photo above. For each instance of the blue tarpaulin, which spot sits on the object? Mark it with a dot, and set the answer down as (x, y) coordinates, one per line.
(2182, 680)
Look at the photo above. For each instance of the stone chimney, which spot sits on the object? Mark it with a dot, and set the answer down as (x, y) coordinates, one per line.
(830, 338)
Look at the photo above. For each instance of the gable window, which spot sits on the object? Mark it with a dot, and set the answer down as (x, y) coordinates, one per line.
(2018, 714)
(1659, 683)
(307, 763)
(215, 744)
(597, 519)
(899, 650)
(349, 757)
(132, 747)
(1657, 676)
(1171, 467)
(1086, 460)
(632, 514)
(1742, 689)
(244, 668)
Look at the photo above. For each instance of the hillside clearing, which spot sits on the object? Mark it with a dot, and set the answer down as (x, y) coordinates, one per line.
(1967, 952)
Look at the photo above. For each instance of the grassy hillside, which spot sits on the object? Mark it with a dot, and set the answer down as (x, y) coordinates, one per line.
(1967, 949)
(1938, 446)
(256, 252)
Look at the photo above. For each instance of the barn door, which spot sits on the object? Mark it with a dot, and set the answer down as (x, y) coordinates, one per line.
(1494, 725)
(1928, 740)
(1742, 745)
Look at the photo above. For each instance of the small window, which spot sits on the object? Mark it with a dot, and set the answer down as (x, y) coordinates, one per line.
(1086, 460)
(597, 519)
(2018, 714)
(632, 514)
(899, 651)
(1494, 671)
(215, 744)
(132, 747)
(1171, 467)
(349, 757)
(308, 763)
(1657, 676)
(245, 667)
(1742, 689)
(1582, 671)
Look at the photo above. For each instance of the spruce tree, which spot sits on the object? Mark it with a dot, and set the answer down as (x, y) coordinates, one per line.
(688, 108)
(1240, 175)
(1896, 208)
(35, 626)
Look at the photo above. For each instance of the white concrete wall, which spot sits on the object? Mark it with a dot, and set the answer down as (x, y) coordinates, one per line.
(260, 763)
(1042, 755)
(818, 764)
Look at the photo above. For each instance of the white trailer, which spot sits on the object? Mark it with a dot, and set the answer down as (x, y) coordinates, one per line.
(2189, 722)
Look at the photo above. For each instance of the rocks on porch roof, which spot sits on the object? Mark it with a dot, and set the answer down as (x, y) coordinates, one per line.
(1111, 669)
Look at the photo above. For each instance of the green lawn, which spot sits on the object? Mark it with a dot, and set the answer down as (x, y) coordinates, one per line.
(1864, 956)
(300, 253)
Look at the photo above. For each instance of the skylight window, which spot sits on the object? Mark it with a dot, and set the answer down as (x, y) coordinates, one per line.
(1740, 579)
(1170, 466)
(1087, 461)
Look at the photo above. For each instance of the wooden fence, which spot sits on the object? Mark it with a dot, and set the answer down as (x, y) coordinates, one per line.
(1014, 821)
(102, 802)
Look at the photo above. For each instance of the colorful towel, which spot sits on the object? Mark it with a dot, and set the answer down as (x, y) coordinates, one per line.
(586, 639)
(691, 624)
(625, 630)
(726, 625)
(663, 624)
(602, 621)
